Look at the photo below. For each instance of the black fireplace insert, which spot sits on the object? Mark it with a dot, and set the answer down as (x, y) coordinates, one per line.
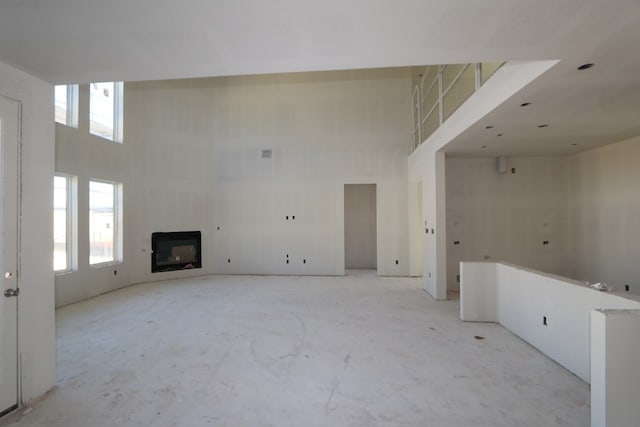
(180, 250)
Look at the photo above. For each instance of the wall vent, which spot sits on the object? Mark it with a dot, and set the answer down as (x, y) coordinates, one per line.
(267, 154)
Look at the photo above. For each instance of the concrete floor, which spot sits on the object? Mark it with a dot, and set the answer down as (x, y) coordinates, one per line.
(292, 351)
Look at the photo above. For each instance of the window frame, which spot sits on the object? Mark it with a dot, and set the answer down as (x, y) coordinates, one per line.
(118, 113)
(117, 223)
(71, 112)
(71, 246)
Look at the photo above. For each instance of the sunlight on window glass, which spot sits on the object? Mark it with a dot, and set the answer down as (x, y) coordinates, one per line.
(61, 104)
(60, 223)
(101, 222)
(101, 109)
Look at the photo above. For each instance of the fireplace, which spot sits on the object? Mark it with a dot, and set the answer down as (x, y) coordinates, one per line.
(180, 250)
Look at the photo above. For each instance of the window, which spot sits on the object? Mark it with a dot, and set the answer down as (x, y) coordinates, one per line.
(488, 68)
(105, 110)
(64, 223)
(105, 222)
(66, 105)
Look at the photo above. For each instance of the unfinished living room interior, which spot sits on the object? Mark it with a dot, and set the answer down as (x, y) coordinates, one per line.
(286, 213)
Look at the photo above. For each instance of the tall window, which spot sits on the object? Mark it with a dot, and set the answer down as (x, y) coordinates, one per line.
(105, 219)
(63, 223)
(105, 110)
(66, 105)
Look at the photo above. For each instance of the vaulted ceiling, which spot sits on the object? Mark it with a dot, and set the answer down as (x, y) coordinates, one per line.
(80, 41)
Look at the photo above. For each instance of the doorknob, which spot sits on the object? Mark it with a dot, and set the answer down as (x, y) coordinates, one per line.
(11, 293)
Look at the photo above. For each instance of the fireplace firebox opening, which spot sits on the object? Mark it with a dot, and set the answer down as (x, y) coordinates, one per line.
(180, 250)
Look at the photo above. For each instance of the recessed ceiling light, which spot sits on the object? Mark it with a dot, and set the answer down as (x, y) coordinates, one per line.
(484, 146)
(500, 134)
(489, 127)
(585, 67)
(543, 126)
(524, 104)
(574, 144)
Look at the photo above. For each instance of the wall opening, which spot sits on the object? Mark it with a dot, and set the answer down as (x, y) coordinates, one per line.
(360, 227)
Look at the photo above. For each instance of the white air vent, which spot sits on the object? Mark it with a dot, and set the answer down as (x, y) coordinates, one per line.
(266, 154)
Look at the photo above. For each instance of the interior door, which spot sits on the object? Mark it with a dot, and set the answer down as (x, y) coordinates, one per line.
(9, 139)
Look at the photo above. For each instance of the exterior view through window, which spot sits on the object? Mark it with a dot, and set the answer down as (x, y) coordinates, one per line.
(105, 110)
(102, 222)
(66, 105)
(60, 223)
(61, 104)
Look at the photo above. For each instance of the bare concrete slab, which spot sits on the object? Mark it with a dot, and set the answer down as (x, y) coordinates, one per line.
(296, 351)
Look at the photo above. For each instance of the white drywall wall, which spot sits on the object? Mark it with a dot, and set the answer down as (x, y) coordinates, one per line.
(192, 159)
(429, 168)
(36, 318)
(598, 367)
(525, 297)
(427, 162)
(604, 209)
(478, 292)
(615, 378)
(507, 217)
(165, 188)
(417, 229)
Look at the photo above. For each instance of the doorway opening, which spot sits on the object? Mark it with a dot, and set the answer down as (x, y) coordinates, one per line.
(360, 227)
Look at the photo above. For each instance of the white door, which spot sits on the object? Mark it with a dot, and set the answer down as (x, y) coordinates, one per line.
(9, 130)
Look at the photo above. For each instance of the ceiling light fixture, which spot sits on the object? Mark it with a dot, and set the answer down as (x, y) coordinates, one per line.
(525, 104)
(483, 146)
(543, 126)
(585, 67)
(489, 127)
(500, 134)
